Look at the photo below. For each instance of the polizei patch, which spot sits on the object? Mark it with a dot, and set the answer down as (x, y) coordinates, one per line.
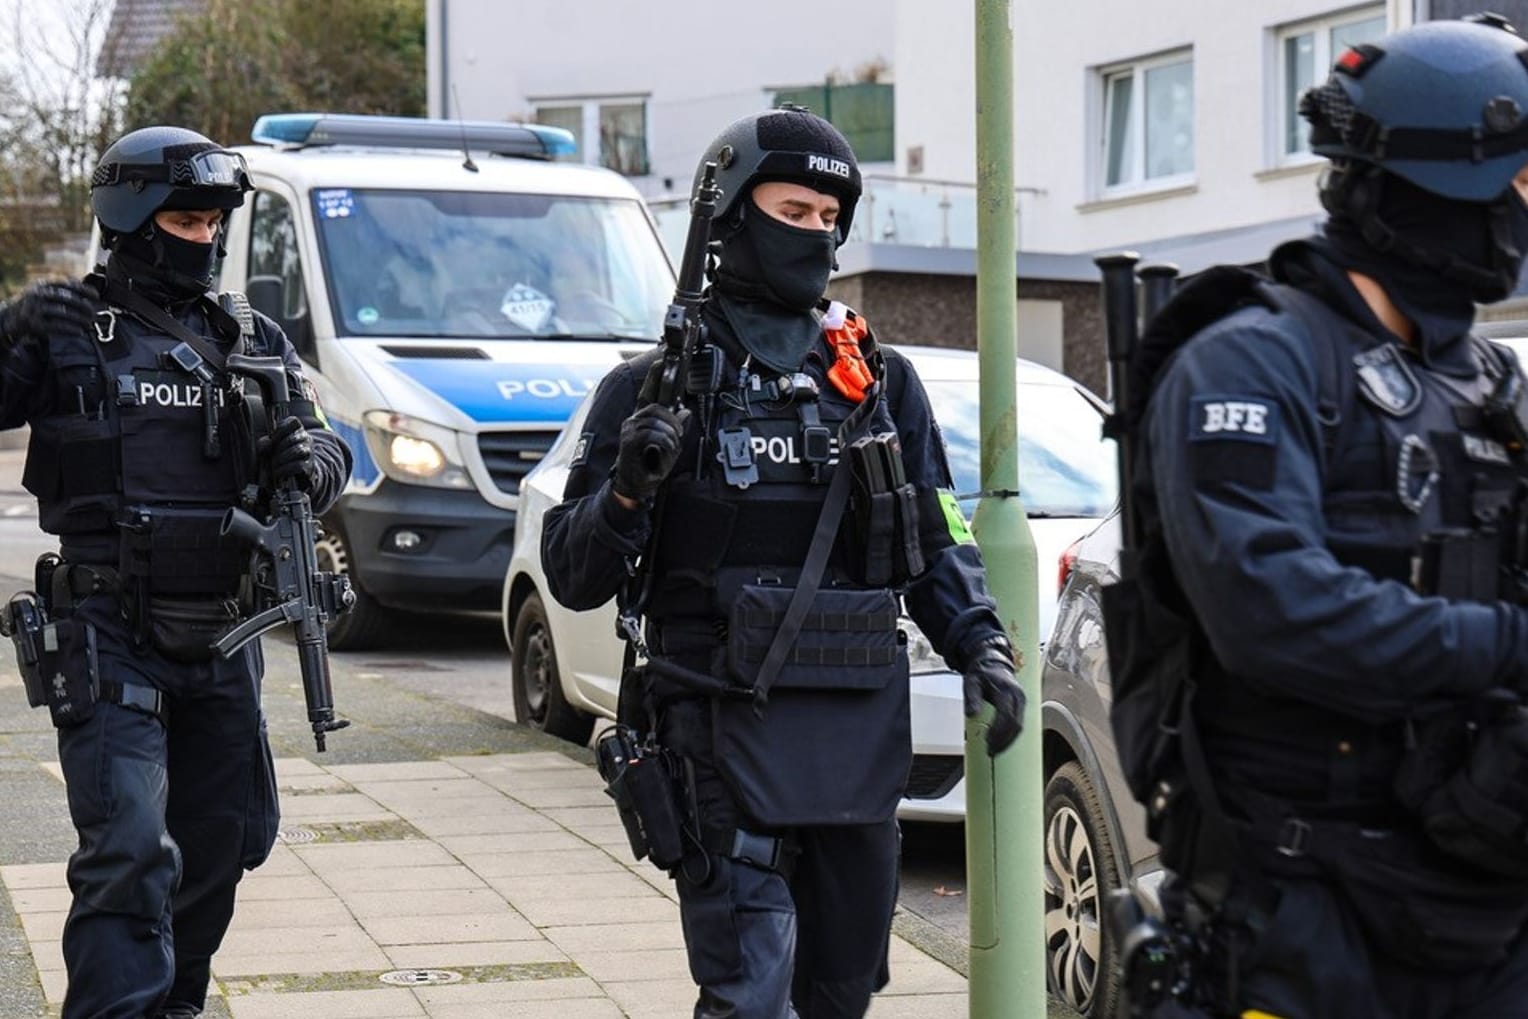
(828, 165)
(1387, 381)
(1238, 418)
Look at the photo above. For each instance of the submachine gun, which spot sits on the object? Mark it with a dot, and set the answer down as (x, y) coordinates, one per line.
(288, 584)
(1157, 960)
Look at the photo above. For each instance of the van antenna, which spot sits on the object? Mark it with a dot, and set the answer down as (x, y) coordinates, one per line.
(467, 163)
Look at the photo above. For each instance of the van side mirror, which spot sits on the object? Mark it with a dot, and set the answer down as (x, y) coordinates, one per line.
(267, 295)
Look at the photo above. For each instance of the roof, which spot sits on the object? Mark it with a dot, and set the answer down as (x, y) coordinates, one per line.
(433, 170)
(136, 27)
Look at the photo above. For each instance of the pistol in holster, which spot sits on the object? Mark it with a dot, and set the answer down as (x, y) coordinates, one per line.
(57, 659)
(639, 778)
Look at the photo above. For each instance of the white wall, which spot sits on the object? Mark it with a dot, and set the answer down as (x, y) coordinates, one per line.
(1059, 48)
(700, 63)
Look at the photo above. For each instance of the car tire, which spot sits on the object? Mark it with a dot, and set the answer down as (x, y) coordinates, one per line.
(367, 623)
(1081, 870)
(537, 682)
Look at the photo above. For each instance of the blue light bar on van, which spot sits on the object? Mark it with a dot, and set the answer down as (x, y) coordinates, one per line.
(535, 141)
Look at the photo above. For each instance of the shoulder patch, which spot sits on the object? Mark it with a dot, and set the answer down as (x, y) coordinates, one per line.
(1237, 418)
(1387, 381)
(581, 449)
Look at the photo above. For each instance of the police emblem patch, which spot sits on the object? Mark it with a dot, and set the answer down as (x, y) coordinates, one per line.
(581, 449)
(1387, 381)
(1239, 418)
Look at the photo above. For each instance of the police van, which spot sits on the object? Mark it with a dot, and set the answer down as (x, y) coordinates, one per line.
(454, 292)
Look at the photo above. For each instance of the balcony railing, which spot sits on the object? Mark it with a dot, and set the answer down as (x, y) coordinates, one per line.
(893, 210)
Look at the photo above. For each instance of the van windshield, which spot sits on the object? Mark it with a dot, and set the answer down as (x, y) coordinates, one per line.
(490, 265)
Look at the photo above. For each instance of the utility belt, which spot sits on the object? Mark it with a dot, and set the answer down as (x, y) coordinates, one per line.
(59, 659)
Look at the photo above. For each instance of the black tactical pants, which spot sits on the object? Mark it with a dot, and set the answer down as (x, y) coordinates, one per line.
(807, 940)
(1315, 963)
(169, 817)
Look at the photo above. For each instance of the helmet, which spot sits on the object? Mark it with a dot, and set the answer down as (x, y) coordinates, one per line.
(157, 168)
(1442, 104)
(791, 144)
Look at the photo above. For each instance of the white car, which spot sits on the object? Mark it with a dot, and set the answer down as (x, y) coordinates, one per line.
(566, 665)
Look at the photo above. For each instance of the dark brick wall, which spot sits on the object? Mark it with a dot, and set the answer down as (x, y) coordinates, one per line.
(940, 311)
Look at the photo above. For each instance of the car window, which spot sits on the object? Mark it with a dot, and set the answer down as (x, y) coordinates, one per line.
(470, 264)
(1066, 469)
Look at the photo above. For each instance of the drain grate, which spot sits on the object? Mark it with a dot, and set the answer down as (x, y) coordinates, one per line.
(297, 836)
(420, 977)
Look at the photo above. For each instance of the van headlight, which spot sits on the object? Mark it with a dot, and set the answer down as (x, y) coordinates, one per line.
(415, 452)
(921, 656)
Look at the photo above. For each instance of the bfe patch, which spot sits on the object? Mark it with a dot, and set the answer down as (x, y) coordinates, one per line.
(1234, 439)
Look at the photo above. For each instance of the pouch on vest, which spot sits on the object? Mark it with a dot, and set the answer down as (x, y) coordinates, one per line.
(180, 551)
(1466, 780)
(183, 629)
(790, 763)
(882, 525)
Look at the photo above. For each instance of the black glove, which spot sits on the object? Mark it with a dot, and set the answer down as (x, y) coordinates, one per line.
(990, 677)
(289, 452)
(43, 310)
(650, 443)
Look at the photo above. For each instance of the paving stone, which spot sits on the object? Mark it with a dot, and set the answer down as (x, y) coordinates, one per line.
(383, 1003)
(917, 1006)
(48, 926)
(497, 822)
(532, 761)
(653, 964)
(483, 953)
(303, 785)
(579, 795)
(924, 975)
(434, 930)
(462, 901)
(403, 879)
(508, 990)
(412, 790)
(594, 815)
(34, 875)
(282, 862)
(256, 887)
(295, 767)
(576, 777)
(655, 999)
(504, 863)
(488, 801)
(561, 912)
(359, 856)
(41, 900)
(54, 983)
(574, 1008)
(637, 935)
(47, 954)
(299, 958)
(400, 771)
(613, 885)
(511, 843)
(259, 914)
(332, 807)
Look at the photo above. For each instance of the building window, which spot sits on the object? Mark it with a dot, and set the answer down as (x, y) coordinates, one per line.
(864, 111)
(1306, 52)
(1148, 123)
(609, 132)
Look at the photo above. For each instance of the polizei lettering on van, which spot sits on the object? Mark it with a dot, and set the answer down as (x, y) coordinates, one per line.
(545, 389)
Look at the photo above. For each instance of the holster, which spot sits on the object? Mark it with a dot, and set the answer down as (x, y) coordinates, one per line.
(640, 779)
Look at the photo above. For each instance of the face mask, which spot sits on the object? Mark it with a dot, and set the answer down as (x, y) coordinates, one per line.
(189, 259)
(164, 266)
(785, 265)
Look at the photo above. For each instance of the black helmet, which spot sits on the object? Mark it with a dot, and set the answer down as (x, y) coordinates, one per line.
(1442, 104)
(790, 144)
(157, 168)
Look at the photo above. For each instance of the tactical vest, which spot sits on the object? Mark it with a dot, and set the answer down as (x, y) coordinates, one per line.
(748, 489)
(123, 447)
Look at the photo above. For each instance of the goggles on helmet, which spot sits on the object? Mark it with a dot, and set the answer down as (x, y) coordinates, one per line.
(215, 169)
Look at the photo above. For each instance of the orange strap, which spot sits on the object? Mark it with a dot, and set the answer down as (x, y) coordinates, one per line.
(849, 374)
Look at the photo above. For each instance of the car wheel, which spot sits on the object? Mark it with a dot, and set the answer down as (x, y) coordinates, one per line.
(1081, 869)
(539, 702)
(368, 622)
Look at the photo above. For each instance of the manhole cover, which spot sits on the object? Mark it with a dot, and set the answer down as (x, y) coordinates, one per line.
(296, 836)
(420, 977)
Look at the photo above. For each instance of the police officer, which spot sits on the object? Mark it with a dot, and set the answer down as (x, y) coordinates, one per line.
(789, 874)
(1330, 466)
(134, 456)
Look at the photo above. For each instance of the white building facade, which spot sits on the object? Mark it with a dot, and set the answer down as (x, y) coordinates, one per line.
(644, 87)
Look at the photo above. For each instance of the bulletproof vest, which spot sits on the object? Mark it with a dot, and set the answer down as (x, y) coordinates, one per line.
(749, 487)
(122, 445)
(1409, 453)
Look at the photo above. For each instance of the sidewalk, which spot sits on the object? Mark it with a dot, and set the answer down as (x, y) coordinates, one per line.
(461, 888)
